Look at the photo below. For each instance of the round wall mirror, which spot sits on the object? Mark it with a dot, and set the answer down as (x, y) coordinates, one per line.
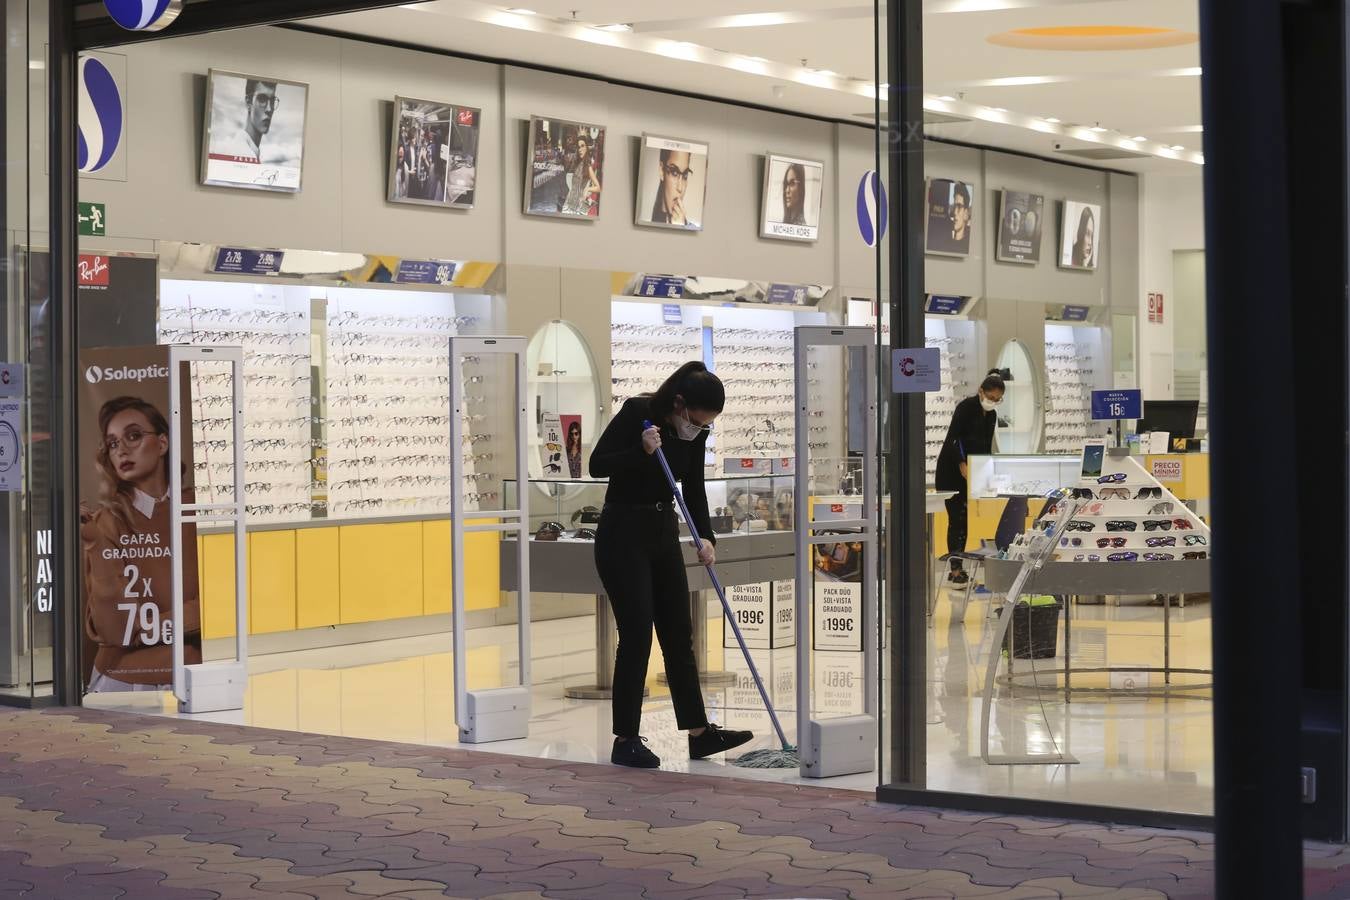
(1021, 412)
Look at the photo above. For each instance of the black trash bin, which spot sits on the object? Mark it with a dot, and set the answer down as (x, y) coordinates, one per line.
(1035, 630)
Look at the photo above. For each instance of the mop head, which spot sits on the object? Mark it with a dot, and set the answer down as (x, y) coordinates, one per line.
(785, 758)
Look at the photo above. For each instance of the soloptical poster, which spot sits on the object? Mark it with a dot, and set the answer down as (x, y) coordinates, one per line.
(125, 522)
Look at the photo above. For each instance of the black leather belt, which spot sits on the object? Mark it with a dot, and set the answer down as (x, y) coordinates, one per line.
(641, 507)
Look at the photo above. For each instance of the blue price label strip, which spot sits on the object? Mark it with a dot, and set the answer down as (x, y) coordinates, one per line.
(1117, 404)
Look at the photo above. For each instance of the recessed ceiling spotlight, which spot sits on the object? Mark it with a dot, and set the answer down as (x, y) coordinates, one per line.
(521, 11)
(998, 109)
(1052, 120)
(1138, 138)
(616, 26)
(1097, 128)
(1178, 147)
(758, 59)
(947, 98)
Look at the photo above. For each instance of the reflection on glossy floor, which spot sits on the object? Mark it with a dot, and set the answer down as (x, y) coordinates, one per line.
(1155, 753)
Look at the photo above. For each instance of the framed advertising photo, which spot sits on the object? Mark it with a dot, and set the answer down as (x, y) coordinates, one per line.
(672, 183)
(950, 217)
(1080, 235)
(792, 198)
(433, 153)
(1021, 219)
(564, 171)
(254, 132)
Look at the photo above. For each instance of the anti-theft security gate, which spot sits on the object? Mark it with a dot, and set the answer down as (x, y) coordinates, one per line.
(495, 714)
(208, 686)
(847, 744)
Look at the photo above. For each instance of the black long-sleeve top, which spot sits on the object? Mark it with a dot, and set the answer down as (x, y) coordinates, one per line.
(636, 477)
(971, 432)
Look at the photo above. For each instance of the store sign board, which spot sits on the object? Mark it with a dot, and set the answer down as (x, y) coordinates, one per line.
(11, 427)
(1109, 405)
(838, 615)
(1167, 470)
(424, 271)
(668, 286)
(93, 219)
(794, 294)
(101, 83)
(838, 682)
(242, 261)
(144, 15)
(916, 370)
(944, 305)
(551, 445)
(671, 314)
(766, 614)
(1074, 314)
(93, 271)
(873, 208)
(1155, 308)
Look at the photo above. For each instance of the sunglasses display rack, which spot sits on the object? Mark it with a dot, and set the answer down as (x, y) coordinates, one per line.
(1073, 364)
(1125, 517)
(388, 402)
(272, 325)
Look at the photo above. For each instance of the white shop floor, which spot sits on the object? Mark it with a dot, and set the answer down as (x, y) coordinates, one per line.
(1145, 752)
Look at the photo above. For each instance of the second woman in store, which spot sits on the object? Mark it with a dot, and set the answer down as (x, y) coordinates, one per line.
(970, 433)
(638, 555)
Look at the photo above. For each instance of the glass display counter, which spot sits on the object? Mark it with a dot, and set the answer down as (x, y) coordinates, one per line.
(1035, 475)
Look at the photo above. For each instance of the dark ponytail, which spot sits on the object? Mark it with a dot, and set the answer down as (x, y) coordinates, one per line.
(700, 389)
(994, 381)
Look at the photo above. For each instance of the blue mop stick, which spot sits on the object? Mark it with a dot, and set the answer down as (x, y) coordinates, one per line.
(721, 595)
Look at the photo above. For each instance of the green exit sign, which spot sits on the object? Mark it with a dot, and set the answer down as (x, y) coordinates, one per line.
(93, 219)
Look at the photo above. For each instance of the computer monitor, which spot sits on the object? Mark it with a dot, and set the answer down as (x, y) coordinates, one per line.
(1176, 417)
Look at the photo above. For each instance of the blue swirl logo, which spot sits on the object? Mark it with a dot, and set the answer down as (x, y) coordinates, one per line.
(144, 15)
(100, 116)
(872, 208)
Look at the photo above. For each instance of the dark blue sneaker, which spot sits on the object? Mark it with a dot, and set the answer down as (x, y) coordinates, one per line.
(634, 754)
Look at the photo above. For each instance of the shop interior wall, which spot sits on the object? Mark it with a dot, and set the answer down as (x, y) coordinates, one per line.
(1171, 218)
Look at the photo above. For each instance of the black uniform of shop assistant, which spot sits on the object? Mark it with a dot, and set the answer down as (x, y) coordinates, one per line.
(638, 556)
(971, 433)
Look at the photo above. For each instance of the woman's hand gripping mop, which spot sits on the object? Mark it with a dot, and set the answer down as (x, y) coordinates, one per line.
(785, 758)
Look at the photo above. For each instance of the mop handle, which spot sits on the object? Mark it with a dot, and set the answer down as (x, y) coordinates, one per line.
(721, 594)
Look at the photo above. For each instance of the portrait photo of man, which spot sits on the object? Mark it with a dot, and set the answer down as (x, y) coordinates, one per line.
(949, 219)
(672, 183)
(255, 132)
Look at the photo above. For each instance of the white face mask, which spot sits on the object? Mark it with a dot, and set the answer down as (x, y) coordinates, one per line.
(686, 429)
(986, 404)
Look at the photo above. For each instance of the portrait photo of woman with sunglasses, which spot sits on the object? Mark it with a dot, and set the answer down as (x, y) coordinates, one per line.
(672, 183)
(640, 561)
(128, 566)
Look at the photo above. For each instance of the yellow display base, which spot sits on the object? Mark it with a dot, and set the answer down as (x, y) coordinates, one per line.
(343, 574)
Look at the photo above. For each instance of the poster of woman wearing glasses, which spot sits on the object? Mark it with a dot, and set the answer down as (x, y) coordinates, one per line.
(254, 135)
(672, 183)
(125, 528)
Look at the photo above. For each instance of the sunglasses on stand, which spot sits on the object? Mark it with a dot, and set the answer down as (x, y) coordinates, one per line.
(1111, 542)
(549, 531)
(1162, 509)
(1113, 478)
(1158, 557)
(1122, 525)
(1079, 525)
(1168, 541)
(1071, 542)
(1193, 540)
(1182, 524)
(1146, 493)
(1195, 554)
(1157, 524)
(1127, 556)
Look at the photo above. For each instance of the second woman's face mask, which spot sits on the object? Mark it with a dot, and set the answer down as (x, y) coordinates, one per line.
(686, 429)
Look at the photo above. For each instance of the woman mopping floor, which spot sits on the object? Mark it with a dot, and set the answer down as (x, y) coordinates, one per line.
(638, 556)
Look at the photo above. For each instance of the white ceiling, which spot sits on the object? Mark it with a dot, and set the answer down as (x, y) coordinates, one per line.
(753, 51)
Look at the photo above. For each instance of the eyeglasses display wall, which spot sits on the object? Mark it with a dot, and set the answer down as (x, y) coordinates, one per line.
(961, 375)
(1075, 362)
(346, 398)
(750, 348)
(272, 325)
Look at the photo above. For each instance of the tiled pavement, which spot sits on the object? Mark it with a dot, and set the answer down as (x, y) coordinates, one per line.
(98, 804)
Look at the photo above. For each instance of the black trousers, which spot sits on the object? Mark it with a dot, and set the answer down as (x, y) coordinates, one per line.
(958, 525)
(637, 554)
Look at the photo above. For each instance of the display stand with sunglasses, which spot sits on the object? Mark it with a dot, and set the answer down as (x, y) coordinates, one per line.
(1127, 534)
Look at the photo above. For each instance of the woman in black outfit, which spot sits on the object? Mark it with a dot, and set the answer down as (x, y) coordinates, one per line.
(638, 556)
(971, 433)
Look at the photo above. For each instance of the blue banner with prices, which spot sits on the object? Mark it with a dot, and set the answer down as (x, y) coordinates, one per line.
(242, 261)
(670, 287)
(945, 305)
(424, 271)
(1120, 404)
